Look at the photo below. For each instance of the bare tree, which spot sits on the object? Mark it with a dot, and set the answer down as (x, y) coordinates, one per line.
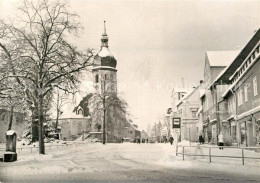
(60, 99)
(106, 104)
(167, 123)
(40, 57)
(11, 97)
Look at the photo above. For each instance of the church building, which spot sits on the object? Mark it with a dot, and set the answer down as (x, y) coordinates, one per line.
(87, 117)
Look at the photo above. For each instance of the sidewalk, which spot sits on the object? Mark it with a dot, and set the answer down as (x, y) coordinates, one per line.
(220, 164)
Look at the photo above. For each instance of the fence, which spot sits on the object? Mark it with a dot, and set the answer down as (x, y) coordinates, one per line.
(198, 152)
(32, 149)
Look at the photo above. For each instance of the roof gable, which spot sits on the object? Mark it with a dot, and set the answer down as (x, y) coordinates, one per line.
(221, 58)
(227, 73)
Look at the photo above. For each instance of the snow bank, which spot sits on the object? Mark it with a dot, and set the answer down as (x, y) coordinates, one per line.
(251, 167)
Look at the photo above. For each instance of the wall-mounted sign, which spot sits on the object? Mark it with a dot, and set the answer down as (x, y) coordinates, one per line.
(176, 122)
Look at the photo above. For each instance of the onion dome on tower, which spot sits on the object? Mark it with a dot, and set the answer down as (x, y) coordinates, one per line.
(104, 57)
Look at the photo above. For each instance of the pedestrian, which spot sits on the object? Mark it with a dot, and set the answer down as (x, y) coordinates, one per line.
(171, 139)
(221, 141)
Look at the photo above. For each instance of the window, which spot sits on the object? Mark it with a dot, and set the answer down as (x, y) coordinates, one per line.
(245, 91)
(96, 78)
(193, 113)
(255, 86)
(253, 55)
(17, 120)
(80, 112)
(3, 117)
(229, 106)
(106, 77)
(239, 97)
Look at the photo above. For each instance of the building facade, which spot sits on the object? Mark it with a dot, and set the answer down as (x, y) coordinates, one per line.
(238, 107)
(178, 94)
(18, 124)
(243, 95)
(188, 108)
(211, 95)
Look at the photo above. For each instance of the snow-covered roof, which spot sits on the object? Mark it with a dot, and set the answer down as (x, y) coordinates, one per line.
(69, 114)
(233, 54)
(199, 111)
(104, 52)
(221, 58)
(10, 132)
(182, 90)
(202, 92)
(186, 96)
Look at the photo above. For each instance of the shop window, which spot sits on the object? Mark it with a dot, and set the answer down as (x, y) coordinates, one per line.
(255, 86)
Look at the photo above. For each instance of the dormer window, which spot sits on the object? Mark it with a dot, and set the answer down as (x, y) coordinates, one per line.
(80, 112)
(96, 79)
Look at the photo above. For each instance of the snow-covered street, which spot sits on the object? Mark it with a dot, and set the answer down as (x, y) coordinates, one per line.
(122, 163)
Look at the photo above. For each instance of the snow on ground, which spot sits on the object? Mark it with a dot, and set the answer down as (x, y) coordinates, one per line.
(61, 159)
(252, 166)
(55, 161)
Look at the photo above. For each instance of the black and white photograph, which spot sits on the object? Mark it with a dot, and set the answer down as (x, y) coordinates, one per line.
(123, 91)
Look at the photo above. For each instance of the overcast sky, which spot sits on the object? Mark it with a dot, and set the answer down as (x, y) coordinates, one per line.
(157, 43)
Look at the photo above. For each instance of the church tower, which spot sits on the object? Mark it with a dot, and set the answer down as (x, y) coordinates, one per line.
(104, 69)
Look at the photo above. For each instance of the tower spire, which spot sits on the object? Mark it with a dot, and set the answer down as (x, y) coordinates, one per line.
(105, 32)
(104, 39)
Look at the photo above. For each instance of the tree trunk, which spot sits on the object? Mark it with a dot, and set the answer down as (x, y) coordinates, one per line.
(40, 125)
(11, 118)
(58, 111)
(35, 128)
(104, 124)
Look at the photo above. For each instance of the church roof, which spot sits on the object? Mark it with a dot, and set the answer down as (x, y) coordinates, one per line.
(104, 56)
